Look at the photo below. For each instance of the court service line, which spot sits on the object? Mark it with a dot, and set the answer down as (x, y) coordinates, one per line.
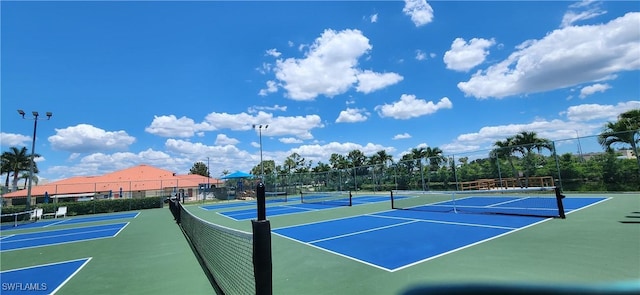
(448, 222)
(362, 231)
(7, 236)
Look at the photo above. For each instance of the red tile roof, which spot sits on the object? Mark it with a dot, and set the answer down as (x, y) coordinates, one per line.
(138, 178)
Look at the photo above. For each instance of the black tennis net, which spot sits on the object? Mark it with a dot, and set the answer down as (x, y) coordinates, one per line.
(227, 255)
(539, 201)
(335, 198)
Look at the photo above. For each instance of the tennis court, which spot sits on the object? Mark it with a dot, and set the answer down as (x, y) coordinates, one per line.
(41, 279)
(68, 221)
(56, 237)
(371, 239)
(366, 248)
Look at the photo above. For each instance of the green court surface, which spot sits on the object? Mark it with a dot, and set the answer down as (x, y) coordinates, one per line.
(597, 245)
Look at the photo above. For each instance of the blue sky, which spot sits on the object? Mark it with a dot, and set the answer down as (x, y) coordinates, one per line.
(173, 83)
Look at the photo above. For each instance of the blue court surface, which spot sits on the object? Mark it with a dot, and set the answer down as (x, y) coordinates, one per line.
(297, 207)
(40, 279)
(374, 239)
(65, 221)
(56, 237)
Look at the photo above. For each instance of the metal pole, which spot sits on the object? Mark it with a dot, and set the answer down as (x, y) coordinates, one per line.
(33, 147)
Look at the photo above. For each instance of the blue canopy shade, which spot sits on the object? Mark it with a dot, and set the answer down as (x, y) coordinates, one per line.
(237, 174)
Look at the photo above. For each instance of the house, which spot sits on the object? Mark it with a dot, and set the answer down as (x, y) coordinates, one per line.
(136, 182)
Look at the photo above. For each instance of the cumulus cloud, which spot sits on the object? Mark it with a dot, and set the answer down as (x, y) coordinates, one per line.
(329, 68)
(591, 89)
(369, 81)
(171, 126)
(420, 55)
(420, 11)
(410, 107)
(463, 56)
(563, 58)
(374, 18)
(12, 139)
(272, 87)
(84, 138)
(223, 139)
(352, 115)
(402, 136)
(590, 112)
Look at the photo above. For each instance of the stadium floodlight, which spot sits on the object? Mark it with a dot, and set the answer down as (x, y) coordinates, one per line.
(33, 147)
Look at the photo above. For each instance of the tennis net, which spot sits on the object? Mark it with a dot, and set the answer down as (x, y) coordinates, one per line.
(336, 198)
(539, 201)
(276, 196)
(15, 219)
(226, 255)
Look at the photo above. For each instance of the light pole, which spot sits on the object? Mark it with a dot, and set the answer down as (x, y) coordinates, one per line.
(33, 147)
(261, 163)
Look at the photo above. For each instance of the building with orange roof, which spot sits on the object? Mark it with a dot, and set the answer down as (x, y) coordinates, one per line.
(136, 182)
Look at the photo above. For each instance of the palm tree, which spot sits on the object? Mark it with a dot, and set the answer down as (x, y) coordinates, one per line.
(16, 161)
(525, 143)
(505, 149)
(25, 176)
(624, 131)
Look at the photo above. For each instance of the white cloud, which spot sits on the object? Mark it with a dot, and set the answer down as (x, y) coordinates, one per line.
(420, 11)
(369, 81)
(223, 139)
(563, 58)
(410, 107)
(464, 56)
(402, 136)
(581, 11)
(585, 120)
(273, 52)
(84, 138)
(11, 139)
(170, 126)
(420, 55)
(290, 140)
(329, 68)
(589, 90)
(590, 112)
(352, 115)
(276, 107)
(272, 87)
(374, 18)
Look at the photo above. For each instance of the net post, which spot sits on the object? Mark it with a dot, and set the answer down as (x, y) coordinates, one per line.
(261, 199)
(350, 197)
(262, 265)
(559, 197)
(392, 205)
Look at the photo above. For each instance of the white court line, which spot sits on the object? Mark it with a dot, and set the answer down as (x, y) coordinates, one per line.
(71, 276)
(448, 222)
(363, 231)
